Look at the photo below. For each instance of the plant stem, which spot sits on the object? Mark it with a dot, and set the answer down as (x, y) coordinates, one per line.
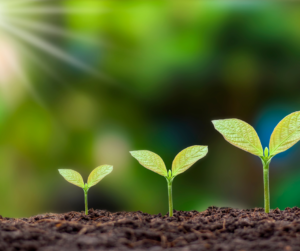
(266, 186)
(170, 197)
(86, 199)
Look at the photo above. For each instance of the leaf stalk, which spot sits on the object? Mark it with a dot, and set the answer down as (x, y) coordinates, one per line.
(170, 179)
(266, 189)
(86, 188)
(266, 163)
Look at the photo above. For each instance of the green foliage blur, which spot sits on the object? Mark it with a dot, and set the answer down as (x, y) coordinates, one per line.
(156, 73)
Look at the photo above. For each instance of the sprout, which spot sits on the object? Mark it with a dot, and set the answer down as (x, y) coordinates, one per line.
(76, 179)
(242, 135)
(183, 161)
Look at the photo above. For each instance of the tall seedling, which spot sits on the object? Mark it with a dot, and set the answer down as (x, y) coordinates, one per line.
(183, 161)
(242, 135)
(76, 179)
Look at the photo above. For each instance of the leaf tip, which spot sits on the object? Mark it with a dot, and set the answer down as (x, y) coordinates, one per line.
(132, 152)
(111, 168)
(200, 147)
(216, 122)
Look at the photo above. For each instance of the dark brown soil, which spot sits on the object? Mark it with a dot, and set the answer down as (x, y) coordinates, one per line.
(214, 229)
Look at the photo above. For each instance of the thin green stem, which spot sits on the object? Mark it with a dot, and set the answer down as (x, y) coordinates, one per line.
(266, 187)
(170, 197)
(86, 199)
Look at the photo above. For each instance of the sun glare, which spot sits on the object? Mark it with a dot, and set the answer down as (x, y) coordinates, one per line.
(25, 23)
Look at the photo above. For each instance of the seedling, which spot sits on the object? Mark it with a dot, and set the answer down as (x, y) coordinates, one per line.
(242, 135)
(95, 176)
(183, 161)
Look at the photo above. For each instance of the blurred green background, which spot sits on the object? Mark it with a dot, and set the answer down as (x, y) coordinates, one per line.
(137, 75)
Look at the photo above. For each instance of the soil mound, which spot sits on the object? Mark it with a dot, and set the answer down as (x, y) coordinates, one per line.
(220, 229)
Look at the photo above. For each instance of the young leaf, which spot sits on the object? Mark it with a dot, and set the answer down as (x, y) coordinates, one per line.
(98, 174)
(151, 161)
(187, 157)
(239, 134)
(286, 134)
(72, 177)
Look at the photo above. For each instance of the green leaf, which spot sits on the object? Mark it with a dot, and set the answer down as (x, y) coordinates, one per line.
(286, 134)
(98, 174)
(239, 134)
(72, 177)
(187, 157)
(151, 161)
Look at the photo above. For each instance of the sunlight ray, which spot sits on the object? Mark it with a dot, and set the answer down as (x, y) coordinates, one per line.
(56, 10)
(45, 28)
(17, 3)
(18, 20)
(16, 68)
(50, 49)
(28, 54)
(49, 29)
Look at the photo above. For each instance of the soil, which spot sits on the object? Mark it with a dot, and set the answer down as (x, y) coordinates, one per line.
(214, 229)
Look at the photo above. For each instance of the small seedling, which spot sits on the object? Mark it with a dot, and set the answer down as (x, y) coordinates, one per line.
(242, 135)
(183, 161)
(95, 176)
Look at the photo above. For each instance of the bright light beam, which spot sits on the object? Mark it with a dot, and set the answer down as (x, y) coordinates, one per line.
(51, 50)
(55, 10)
(15, 67)
(54, 30)
(40, 64)
(13, 3)
(49, 29)
(16, 21)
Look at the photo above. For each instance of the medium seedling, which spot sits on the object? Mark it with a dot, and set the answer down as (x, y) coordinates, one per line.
(183, 161)
(95, 176)
(242, 135)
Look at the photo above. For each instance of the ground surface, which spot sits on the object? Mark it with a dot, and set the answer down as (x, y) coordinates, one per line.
(214, 229)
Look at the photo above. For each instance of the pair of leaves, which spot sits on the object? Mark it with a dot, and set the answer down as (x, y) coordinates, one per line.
(242, 135)
(95, 176)
(183, 161)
